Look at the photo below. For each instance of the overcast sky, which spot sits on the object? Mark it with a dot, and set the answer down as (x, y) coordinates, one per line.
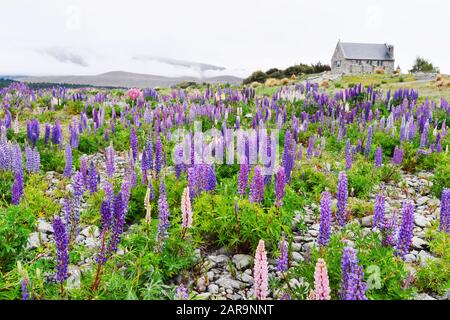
(50, 37)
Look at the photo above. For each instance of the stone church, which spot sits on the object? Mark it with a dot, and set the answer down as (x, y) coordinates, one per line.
(362, 58)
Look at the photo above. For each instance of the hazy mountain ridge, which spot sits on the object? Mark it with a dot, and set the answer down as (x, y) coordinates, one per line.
(129, 79)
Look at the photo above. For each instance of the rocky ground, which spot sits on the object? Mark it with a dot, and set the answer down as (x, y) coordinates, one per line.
(228, 276)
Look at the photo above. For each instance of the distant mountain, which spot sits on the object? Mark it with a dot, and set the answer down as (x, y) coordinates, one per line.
(128, 79)
(180, 63)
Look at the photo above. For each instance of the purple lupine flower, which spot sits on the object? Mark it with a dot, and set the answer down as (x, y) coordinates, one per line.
(397, 158)
(56, 133)
(444, 219)
(348, 156)
(158, 155)
(163, 215)
(25, 291)
(47, 132)
(179, 161)
(68, 166)
(33, 131)
(210, 178)
(110, 167)
(424, 136)
(117, 223)
(92, 178)
(280, 183)
(388, 231)
(359, 146)
(406, 230)
(182, 293)
(192, 182)
(78, 185)
(368, 146)
(325, 219)
(342, 197)
(106, 215)
(309, 151)
(257, 186)
(29, 165)
(378, 217)
(36, 160)
(62, 249)
(378, 157)
(17, 188)
(134, 143)
(353, 286)
(288, 155)
(73, 131)
(286, 296)
(243, 178)
(438, 147)
(282, 261)
(17, 163)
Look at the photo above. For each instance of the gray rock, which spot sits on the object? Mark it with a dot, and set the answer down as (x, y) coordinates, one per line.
(74, 279)
(44, 226)
(229, 283)
(213, 288)
(234, 296)
(421, 221)
(297, 256)
(210, 275)
(446, 295)
(418, 243)
(247, 278)
(35, 240)
(423, 296)
(410, 258)
(90, 243)
(296, 246)
(203, 296)
(367, 221)
(79, 238)
(91, 231)
(221, 259)
(242, 261)
(422, 200)
(423, 257)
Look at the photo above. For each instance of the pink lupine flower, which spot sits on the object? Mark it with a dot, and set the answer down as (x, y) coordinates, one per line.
(321, 283)
(260, 272)
(134, 93)
(186, 209)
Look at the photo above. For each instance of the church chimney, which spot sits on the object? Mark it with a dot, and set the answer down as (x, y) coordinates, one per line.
(390, 50)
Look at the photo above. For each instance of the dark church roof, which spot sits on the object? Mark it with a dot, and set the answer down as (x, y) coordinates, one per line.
(365, 51)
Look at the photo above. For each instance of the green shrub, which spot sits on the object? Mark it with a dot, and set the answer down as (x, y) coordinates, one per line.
(361, 179)
(434, 276)
(36, 199)
(313, 181)
(6, 182)
(359, 208)
(16, 223)
(215, 221)
(52, 159)
(441, 178)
